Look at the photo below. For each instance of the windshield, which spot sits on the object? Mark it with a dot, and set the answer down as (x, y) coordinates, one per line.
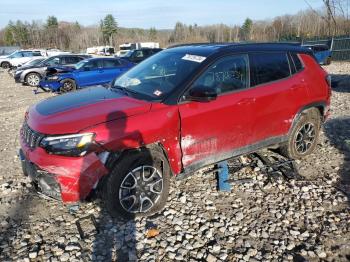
(158, 75)
(80, 64)
(126, 54)
(16, 54)
(34, 62)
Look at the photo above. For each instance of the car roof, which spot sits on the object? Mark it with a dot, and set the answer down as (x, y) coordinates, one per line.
(207, 49)
(69, 55)
(102, 58)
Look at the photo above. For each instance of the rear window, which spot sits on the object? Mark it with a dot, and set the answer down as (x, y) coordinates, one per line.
(296, 61)
(268, 67)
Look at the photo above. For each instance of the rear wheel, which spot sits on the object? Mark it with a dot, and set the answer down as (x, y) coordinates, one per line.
(328, 60)
(303, 138)
(68, 85)
(5, 65)
(138, 184)
(32, 79)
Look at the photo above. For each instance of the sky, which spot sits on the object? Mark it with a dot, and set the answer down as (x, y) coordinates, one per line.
(162, 14)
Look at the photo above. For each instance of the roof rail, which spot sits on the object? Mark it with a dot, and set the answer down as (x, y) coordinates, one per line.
(228, 44)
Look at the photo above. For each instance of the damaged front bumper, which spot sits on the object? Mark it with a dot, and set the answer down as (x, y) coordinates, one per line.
(45, 182)
(69, 179)
(52, 85)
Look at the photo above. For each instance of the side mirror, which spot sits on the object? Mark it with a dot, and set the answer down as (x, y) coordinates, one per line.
(202, 94)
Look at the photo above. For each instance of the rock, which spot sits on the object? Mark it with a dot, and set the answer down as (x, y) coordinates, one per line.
(211, 258)
(33, 255)
(239, 216)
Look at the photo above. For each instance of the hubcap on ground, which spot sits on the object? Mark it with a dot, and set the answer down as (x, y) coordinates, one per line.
(141, 188)
(305, 137)
(33, 80)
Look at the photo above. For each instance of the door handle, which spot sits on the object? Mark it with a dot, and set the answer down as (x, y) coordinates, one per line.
(247, 101)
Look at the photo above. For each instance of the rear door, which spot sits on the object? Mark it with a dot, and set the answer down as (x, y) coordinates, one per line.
(212, 130)
(112, 68)
(277, 94)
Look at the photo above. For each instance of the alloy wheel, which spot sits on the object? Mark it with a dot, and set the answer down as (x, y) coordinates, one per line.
(33, 80)
(67, 87)
(141, 189)
(305, 137)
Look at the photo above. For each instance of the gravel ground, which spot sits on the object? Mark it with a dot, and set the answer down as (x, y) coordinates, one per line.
(301, 219)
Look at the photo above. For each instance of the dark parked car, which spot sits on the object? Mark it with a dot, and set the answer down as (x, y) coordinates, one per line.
(32, 74)
(138, 55)
(322, 53)
(180, 110)
(93, 71)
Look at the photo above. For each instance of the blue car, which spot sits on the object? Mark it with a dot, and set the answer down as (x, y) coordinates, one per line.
(89, 72)
(322, 53)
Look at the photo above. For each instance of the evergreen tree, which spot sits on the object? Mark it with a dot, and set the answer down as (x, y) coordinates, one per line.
(52, 22)
(152, 33)
(246, 29)
(109, 28)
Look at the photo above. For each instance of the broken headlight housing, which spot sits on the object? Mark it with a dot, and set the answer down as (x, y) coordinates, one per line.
(68, 145)
(52, 78)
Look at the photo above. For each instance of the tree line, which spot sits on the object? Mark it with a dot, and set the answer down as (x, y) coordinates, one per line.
(331, 20)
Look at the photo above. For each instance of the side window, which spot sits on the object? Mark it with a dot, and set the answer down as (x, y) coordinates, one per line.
(297, 63)
(268, 67)
(109, 63)
(94, 64)
(227, 74)
(138, 54)
(27, 54)
(68, 60)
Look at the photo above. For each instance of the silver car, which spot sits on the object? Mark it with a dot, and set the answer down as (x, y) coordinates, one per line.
(32, 74)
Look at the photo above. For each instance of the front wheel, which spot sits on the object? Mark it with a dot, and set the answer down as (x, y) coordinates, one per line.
(68, 85)
(138, 184)
(303, 137)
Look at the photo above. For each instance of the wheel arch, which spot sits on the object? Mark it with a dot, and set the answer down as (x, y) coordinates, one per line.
(31, 72)
(157, 146)
(320, 106)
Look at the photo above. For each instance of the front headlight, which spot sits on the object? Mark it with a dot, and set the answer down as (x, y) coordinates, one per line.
(69, 145)
(52, 78)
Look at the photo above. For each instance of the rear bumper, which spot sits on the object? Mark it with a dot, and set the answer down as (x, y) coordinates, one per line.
(18, 78)
(70, 179)
(53, 85)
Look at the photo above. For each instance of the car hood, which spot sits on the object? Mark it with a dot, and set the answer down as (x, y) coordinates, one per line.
(73, 112)
(21, 68)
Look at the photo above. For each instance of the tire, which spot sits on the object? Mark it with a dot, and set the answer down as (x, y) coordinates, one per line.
(328, 60)
(304, 135)
(32, 79)
(68, 85)
(5, 65)
(123, 189)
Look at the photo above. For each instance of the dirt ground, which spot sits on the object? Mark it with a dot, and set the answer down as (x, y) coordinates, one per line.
(297, 220)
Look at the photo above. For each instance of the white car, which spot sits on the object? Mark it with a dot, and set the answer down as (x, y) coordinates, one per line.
(18, 58)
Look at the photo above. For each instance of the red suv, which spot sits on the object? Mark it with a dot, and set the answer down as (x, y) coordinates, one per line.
(180, 110)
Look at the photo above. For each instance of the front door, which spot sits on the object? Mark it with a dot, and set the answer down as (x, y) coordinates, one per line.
(91, 73)
(211, 131)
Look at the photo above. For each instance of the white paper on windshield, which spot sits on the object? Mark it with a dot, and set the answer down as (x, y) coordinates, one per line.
(157, 93)
(194, 58)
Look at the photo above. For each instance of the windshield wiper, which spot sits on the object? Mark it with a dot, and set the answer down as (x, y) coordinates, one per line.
(125, 90)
